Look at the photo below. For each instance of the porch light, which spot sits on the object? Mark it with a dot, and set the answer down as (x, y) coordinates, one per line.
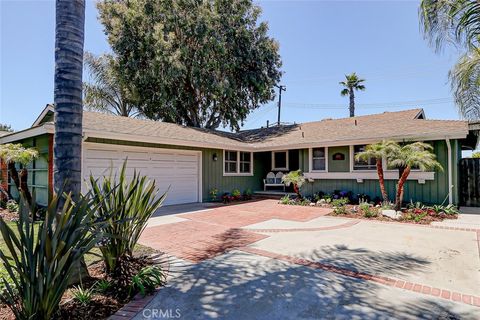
(215, 158)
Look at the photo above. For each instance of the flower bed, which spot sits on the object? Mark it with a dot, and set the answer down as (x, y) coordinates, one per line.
(342, 206)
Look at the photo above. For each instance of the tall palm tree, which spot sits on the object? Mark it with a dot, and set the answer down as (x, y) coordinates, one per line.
(351, 84)
(105, 92)
(69, 36)
(457, 22)
(418, 155)
(378, 152)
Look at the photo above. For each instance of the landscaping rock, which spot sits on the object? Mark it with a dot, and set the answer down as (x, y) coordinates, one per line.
(392, 214)
(313, 204)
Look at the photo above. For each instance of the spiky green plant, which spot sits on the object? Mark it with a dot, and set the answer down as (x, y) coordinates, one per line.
(41, 262)
(125, 205)
(147, 279)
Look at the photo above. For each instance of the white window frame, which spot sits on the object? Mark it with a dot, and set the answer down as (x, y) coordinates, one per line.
(286, 160)
(310, 157)
(352, 160)
(238, 173)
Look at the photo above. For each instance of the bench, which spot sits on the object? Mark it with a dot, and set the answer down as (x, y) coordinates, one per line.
(273, 180)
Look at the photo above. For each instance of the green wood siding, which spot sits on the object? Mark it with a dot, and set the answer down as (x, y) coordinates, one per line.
(37, 171)
(433, 191)
(339, 165)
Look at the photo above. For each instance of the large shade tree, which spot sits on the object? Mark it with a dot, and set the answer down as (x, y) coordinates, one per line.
(104, 91)
(351, 84)
(201, 63)
(457, 22)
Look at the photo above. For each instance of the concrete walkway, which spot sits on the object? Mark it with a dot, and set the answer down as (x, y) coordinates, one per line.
(262, 260)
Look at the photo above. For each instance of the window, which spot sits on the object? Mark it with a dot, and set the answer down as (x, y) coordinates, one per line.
(245, 162)
(318, 159)
(360, 164)
(230, 161)
(237, 163)
(279, 160)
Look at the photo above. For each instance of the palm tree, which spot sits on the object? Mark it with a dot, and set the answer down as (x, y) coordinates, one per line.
(69, 34)
(457, 22)
(404, 158)
(465, 84)
(352, 83)
(378, 152)
(106, 92)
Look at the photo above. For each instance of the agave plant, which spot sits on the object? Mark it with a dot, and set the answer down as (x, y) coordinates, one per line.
(125, 205)
(40, 262)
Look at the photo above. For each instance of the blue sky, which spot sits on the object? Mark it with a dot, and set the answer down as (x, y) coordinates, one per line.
(320, 41)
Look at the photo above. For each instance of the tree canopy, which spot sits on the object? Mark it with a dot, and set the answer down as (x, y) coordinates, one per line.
(5, 127)
(201, 63)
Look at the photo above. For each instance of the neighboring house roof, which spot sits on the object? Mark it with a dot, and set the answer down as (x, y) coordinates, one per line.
(400, 125)
(4, 133)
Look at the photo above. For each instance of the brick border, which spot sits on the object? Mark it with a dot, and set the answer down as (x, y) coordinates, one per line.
(339, 226)
(388, 281)
(133, 307)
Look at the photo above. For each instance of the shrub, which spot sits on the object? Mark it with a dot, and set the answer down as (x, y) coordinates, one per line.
(213, 194)
(340, 205)
(12, 205)
(236, 194)
(247, 194)
(387, 205)
(451, 210)
(147, 280)
(126, 207)
(285, 199)
(83, 296)
(102, 286)
(42, 261)
(367, 210)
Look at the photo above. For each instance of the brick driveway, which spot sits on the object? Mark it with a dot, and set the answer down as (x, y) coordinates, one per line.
(263, 260)
(208, 233)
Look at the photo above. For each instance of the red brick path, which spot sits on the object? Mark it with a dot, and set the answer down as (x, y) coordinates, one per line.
(213, 232)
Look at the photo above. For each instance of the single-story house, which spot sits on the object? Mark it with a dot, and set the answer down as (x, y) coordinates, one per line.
(193, 161)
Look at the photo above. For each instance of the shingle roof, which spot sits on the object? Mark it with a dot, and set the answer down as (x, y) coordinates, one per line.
(388, 125)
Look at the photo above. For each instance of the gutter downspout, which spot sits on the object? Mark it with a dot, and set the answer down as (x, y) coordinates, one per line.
(450, 178)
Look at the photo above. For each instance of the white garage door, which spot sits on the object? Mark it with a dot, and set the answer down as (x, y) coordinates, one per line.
(175, 169)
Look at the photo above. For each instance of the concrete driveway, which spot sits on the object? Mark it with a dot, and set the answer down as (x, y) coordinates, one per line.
(262, 260)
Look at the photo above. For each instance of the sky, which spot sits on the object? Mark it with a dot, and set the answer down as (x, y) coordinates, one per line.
(320, 42)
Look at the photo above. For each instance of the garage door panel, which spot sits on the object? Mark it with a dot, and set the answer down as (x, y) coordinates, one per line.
(176, 171)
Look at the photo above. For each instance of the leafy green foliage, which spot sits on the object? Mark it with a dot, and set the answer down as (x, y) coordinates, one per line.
(296, 179)
(102, 286)
(125, 206)
(367, 210)
(40, 261)
(285, 199)
(83, 296)
(12, 205)
(213, 194)
(203, 63)
(476, 155)
(236, 193)
(105, 91)
(17, 153)
(340, 205)
(147, 280)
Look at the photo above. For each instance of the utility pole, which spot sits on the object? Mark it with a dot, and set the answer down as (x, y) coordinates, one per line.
(280, 89)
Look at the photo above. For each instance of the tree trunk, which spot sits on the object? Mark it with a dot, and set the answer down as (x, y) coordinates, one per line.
(24, 189)
(381, 180)
(69, 37)
(352, 103)
(401, 183)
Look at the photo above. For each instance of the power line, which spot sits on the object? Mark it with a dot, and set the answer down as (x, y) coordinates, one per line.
(377, 105)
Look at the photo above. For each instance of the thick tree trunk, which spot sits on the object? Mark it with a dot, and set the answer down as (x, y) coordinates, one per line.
(69, 38)
(381, 180)
(352, 103)
(401, 183)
